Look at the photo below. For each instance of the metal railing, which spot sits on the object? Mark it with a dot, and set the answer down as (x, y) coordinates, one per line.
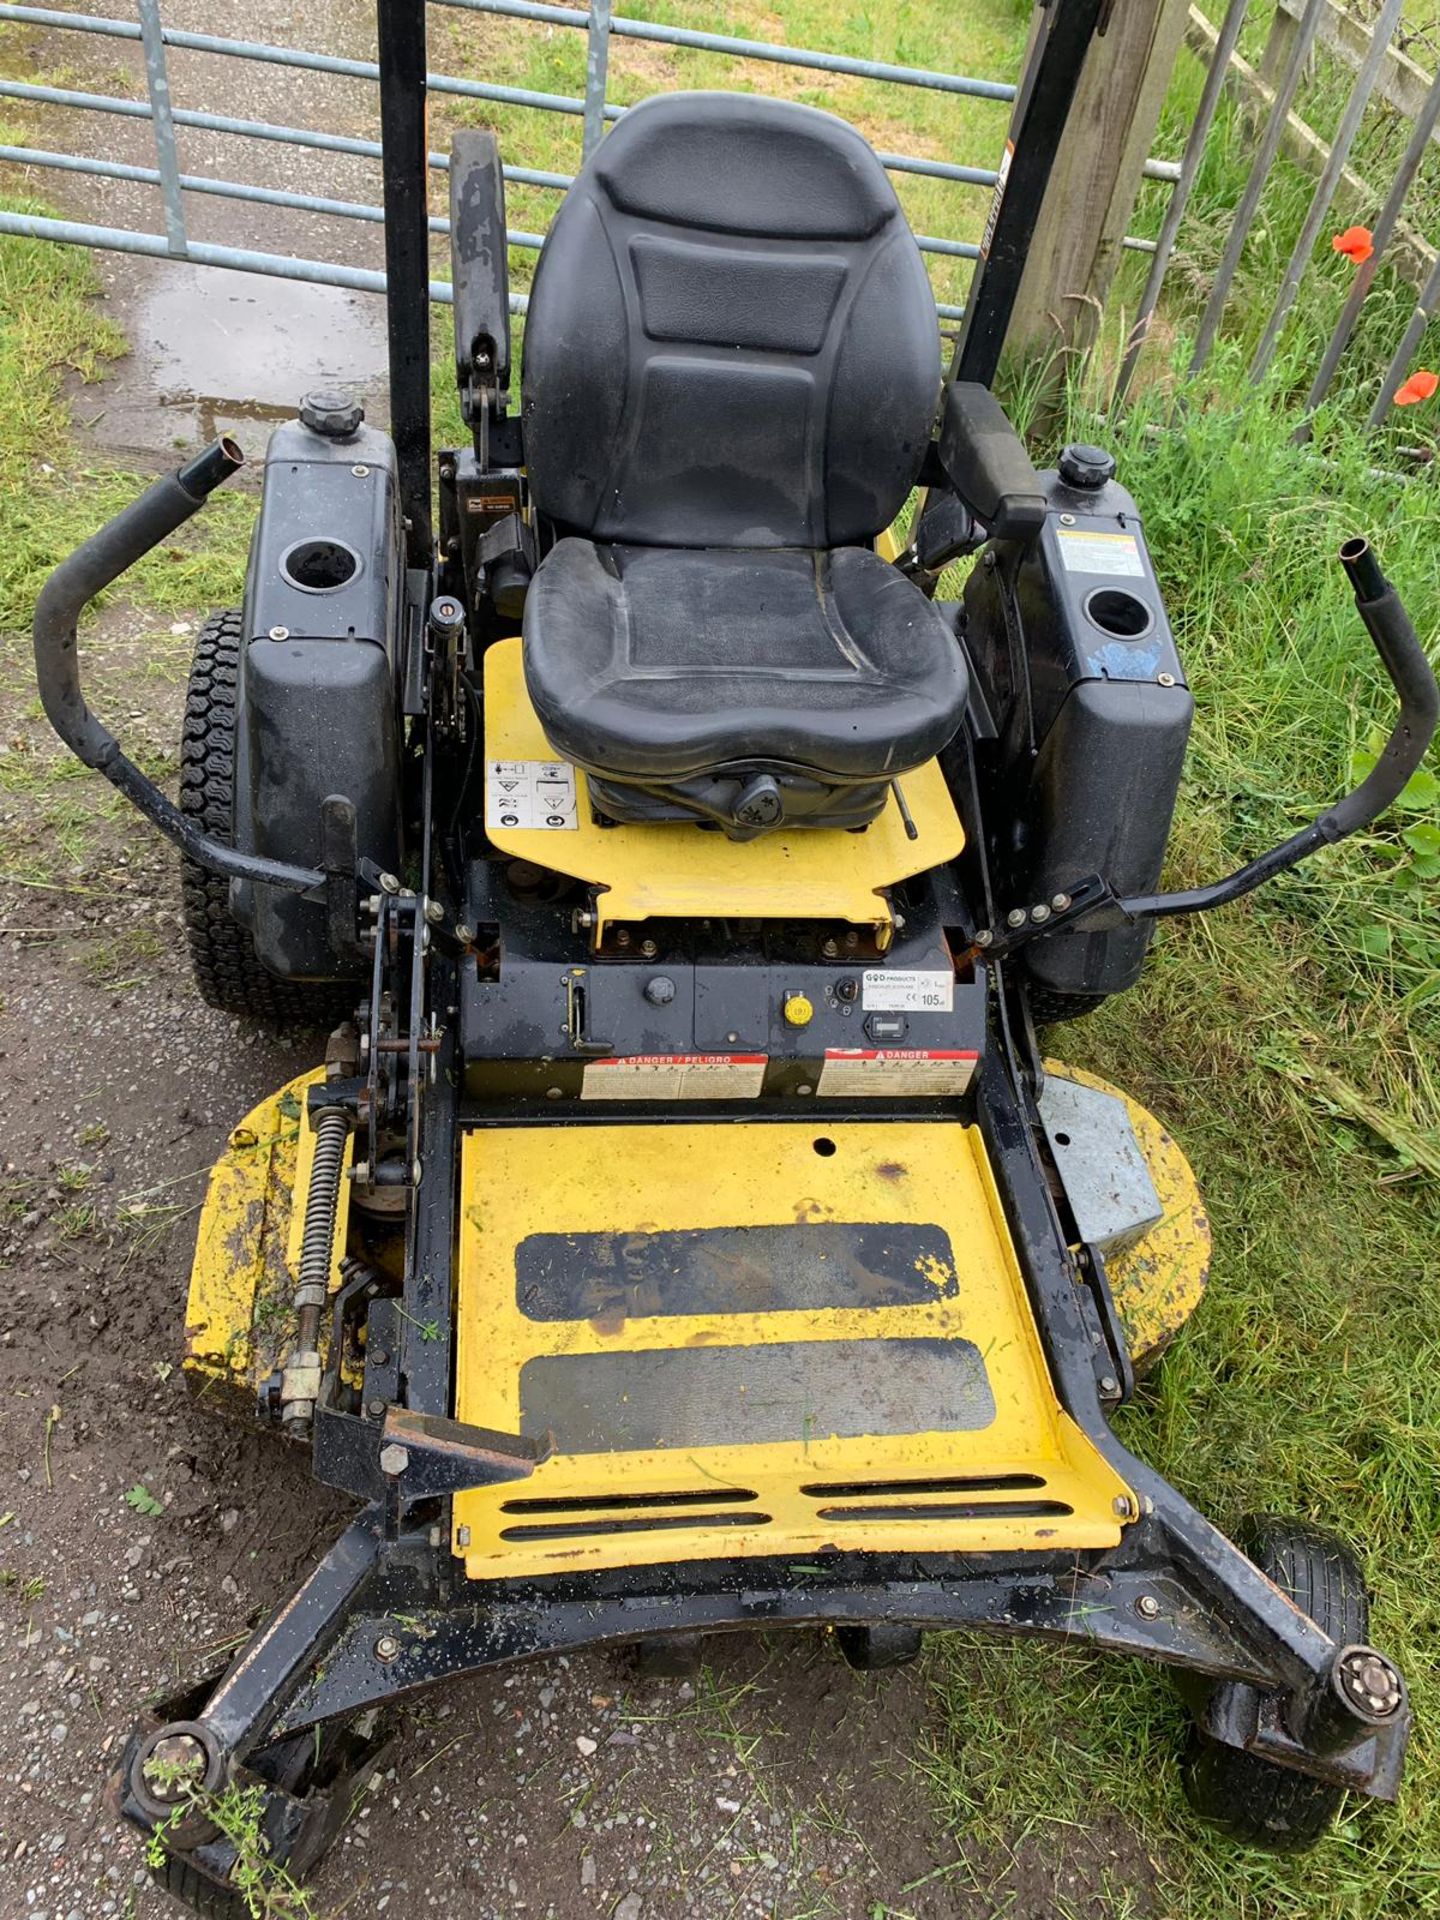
(592, 108)
(1268, 99)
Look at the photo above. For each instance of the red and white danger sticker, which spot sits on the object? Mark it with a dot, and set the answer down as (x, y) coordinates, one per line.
(903, 1073)
(675, 1076)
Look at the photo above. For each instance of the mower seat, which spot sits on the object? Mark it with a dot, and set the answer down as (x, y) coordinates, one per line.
(731, 374)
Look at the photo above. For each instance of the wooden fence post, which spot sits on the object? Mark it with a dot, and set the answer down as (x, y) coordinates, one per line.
(1093, 188)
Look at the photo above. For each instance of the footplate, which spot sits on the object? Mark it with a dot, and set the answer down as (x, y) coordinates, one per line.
(756, 1339)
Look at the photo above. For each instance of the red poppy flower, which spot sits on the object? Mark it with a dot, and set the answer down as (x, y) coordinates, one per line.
(1418, 387)
(1357, 243)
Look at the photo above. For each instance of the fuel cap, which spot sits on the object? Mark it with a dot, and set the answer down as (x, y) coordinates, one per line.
(1085, 466)
(333, 411)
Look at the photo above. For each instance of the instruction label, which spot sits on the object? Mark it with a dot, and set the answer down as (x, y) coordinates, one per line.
(675, 1076)
(530, 793)
(897, 1073)
(1113, 553)
(885, 991)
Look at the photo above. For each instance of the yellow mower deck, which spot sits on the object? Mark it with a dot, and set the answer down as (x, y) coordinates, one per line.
(747, 1338)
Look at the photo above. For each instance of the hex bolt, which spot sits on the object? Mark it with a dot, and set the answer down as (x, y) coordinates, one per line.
(1148, 1607)
(649, 948)
(553, 1093)
(1060, 902)
(1109, 1384)
(434, 912)
(279, 633)
(447, 472)
(1165, 679)
(387, 1648)
(462, 1536)
(1121, 1505)
(389, 884)
(802, 1088)
(830, 949)
(622, 937)
(1040, 913)
(984, 938)
(393, 1461)
(1016, 917)
(361, 472)
(376, 1406)
(464, 932)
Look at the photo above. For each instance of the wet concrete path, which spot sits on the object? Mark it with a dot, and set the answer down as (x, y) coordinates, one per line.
(213, 349)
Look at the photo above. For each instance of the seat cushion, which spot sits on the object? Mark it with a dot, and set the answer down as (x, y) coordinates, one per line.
(654, 663)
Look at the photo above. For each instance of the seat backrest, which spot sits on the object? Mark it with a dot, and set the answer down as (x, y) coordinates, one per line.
(731, 340)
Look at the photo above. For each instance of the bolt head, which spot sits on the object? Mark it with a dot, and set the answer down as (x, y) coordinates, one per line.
(1060, 902)
(279, 633)
(1016, 917)
(1121, 1505)
(389, 884)
(464, 933)
(984, 938)
(434, 912)
(1040, 913)
(649, 948)
(1165, 679)
(387, 1647)
(394, 1460)
(1109, 1384)
(1147, 1606)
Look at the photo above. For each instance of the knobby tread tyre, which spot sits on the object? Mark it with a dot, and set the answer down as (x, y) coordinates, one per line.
(1049, 1008)
(197, 1891)
(222, 954)
(1258, 1802)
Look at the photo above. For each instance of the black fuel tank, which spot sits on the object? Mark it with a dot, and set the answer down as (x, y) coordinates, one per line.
(318, 711)
(1086, 768)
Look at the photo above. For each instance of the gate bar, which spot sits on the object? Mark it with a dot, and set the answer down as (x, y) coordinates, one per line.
(166, 158)
(1381, 34)
(1385, 224)
(1255, 185)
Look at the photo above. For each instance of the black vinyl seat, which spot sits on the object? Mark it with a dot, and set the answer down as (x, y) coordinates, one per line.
(731, 374)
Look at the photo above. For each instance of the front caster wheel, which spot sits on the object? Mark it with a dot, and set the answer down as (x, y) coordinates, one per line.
(1258, 1802)
(872, 1649)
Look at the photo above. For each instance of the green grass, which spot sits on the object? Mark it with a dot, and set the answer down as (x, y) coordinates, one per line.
(1309, 1380)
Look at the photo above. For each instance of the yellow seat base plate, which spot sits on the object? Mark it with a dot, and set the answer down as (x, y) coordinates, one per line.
(756, 1339)
(681, 872)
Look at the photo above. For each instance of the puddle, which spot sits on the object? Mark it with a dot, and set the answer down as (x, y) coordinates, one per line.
(215, 350)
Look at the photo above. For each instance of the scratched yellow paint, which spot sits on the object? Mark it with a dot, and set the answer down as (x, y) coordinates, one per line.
(680, 1176)
(238, 1316)
(669, 871)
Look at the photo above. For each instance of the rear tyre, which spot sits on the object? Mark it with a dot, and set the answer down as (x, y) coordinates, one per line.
(1049, 1008)
(1253, 1799)
(222, 954)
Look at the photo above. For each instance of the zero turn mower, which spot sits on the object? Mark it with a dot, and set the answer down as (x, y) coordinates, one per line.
(683, 1230)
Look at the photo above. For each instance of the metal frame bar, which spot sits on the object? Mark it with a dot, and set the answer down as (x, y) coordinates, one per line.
(1047, 90)
(400, 27)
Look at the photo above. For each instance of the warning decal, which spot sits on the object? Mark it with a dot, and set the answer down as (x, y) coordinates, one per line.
(675, 1076)
(1117, 553)
(1002, 174)
(897, 1073)
(530, 793)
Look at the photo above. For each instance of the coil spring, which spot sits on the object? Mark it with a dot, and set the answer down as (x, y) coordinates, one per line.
(317, 1241)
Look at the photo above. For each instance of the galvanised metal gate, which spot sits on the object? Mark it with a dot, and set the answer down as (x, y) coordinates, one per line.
(597, 22)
